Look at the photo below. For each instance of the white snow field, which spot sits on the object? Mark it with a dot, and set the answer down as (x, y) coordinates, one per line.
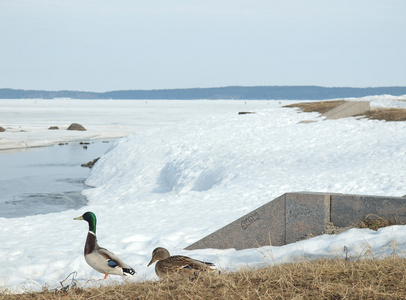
(186, 169)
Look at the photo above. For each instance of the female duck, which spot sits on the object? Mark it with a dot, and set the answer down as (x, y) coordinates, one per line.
(100, 259)
(178, 264)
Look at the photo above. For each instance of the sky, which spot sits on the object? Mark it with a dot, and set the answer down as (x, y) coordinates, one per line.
(171, 185)
(100, 45)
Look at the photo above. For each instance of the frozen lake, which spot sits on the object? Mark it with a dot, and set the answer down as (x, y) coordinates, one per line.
(45, 179)
(27, 120)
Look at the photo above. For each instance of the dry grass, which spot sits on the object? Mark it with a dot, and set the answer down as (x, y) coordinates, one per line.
(387, 114)
(320, 279)
(320, 107)
(384, 114)
(375, 222)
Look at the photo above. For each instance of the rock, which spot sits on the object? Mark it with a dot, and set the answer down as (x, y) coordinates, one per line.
(90, 164)
(53, 128)
(246, 112)
(76, 126)
(2, 129)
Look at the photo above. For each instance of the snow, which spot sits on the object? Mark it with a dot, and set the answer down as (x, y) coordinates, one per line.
(184, 169)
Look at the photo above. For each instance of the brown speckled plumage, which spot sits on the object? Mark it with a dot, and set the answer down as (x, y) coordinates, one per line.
(177, 264)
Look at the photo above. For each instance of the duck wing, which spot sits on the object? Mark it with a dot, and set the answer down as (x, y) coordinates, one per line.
(114, 262)
(187, 263)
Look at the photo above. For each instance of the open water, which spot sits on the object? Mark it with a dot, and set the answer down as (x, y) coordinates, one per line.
(46, 179)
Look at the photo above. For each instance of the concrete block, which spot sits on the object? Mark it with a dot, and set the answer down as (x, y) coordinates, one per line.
(296, 216)
(347, 210)
(347, 109)
(262, 227)
(307, 214)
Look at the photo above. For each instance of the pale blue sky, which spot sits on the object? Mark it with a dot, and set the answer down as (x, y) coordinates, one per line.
(104, 45)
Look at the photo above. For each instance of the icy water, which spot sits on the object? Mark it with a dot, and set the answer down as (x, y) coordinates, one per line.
(46, 179)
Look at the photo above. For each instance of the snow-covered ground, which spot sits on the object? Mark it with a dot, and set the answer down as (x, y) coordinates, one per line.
(194, 168)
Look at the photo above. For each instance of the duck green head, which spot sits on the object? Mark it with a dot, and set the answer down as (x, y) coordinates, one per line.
(90, 218)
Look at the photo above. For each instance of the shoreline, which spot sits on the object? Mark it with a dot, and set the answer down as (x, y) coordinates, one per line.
(8, 146)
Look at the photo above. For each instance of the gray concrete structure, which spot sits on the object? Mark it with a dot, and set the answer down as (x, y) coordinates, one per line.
(350, 209)
(348, 109)
(260, 227)
(306, 214)
(296, 216)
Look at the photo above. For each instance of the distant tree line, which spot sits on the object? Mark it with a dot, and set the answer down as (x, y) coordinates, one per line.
(231, 92)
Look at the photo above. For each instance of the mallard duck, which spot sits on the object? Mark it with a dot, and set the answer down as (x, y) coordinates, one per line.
(177, 264)
(100, 259)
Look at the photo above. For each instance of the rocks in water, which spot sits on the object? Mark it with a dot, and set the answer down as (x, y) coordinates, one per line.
(84, 144)
(76, 126)
(53, 128)
(91, 163)
(2, 129)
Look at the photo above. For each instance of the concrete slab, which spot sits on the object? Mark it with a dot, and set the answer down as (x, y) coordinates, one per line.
(296, 216)
(348, 109)
(307, 214)
(347, 210)
(262, 227)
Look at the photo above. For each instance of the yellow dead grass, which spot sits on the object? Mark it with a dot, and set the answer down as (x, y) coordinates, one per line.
(383, 114)
(320, 279)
